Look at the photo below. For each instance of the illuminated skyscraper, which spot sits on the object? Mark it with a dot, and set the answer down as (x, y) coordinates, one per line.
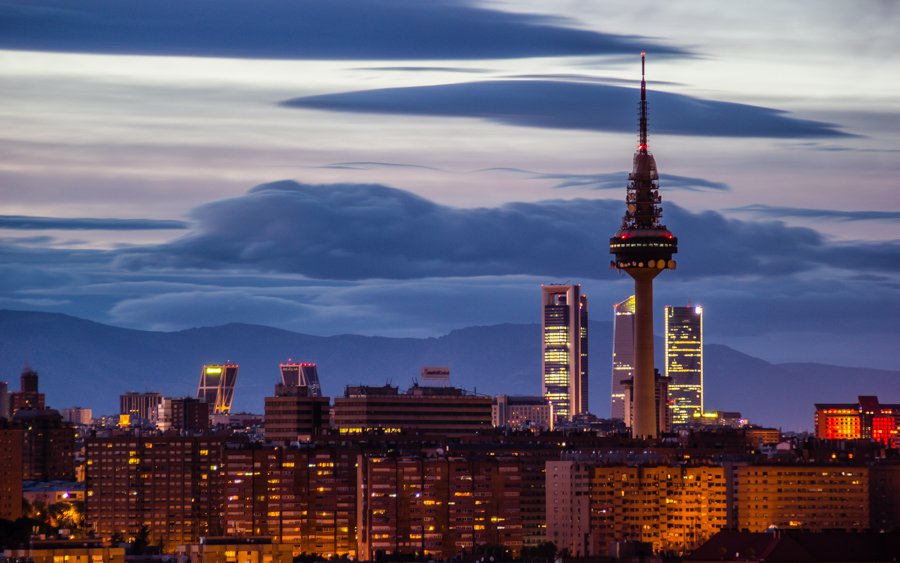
(217, 386)
(643, 248)
(564, 346)
(301, 375)
(684, 362)
(623, 354)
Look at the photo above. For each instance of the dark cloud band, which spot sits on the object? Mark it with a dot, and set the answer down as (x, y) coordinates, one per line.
(364, 231)
(311, 29)
(808, 213)
(27, 222)
(571, 105)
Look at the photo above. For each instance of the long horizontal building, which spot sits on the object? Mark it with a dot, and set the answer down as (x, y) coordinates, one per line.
(444, 410)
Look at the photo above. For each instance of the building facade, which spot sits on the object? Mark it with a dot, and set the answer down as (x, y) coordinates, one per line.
(443, 505)
(293, 414)
(623, 355)
(684, 362)
(522, 413)
(674, 508)
(564, 349)
(171, 484)
(48, 446)
(803, 497)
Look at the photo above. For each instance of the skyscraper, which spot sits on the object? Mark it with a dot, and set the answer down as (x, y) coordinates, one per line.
(684, 362)
(217, 386)
(301, 374)
(643, 248)
(623, 354)
(564, 347)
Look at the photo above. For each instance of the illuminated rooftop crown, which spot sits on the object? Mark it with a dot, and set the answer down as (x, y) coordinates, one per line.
(642, 241)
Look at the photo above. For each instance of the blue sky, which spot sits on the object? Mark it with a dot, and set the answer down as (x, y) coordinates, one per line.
(405, 168)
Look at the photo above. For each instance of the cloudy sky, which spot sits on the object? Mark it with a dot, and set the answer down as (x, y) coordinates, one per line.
(405, 168)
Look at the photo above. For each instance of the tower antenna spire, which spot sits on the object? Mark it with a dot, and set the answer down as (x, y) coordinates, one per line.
(642, 145)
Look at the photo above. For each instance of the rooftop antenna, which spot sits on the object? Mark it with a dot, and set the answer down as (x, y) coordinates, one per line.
(642, 144)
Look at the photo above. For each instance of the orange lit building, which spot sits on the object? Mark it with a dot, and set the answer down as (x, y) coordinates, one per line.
(171, 484)
(305, 498)
(68, 551)
(442, 506)
(235, 550)
(867, 419)
(674, 508)
(810, 498)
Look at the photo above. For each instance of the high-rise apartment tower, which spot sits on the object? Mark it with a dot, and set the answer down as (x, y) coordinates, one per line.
(684, 362)
(564, 349)
(643, 248)
(623, 354)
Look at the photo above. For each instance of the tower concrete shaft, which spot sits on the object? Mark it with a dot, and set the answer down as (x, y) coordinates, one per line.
(644, 395)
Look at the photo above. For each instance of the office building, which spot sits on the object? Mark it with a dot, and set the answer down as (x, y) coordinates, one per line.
(564, 349)
(293, 414)
(442, 410)
(623, 355)
(522, 413)
(684, 362)
(140, 408)
(11, 471)
(804, 497)
(28, 397)
(301, 374)
(867, 419)
(217, 386)
(643, 248)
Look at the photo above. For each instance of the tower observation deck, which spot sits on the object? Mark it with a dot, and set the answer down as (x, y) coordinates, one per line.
(643, 247)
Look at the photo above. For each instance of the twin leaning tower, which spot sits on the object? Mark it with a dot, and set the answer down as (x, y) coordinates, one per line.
(643, 248)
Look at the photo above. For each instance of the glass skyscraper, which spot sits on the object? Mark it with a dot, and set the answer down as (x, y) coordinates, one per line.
(217, 386)
(684, 362)
(623, 354)
(564, 349)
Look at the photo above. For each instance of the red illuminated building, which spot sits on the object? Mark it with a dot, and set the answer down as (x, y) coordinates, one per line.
(867, 419)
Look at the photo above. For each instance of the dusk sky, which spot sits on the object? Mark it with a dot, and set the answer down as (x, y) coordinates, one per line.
(404, 168)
